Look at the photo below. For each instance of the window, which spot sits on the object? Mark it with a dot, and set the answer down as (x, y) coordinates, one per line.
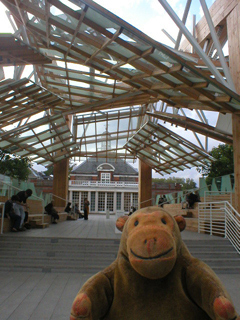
(119, 201)
(105, 177)
(135, 200)
(101, 201)
(92, 203)
(75, 198)
(110, 201)
(127, 201)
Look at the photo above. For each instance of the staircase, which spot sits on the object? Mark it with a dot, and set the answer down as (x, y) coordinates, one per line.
(220, 255)
(68, 255)
(56, 254)
(190, 215)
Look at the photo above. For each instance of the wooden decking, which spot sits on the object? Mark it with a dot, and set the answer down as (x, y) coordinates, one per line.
(49, 296)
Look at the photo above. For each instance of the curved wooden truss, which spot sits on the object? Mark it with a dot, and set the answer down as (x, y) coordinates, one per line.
(101, 64)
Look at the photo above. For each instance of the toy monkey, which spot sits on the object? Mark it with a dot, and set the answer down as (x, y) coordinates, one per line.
(154, 277)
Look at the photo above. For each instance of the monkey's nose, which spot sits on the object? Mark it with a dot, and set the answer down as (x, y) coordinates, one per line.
(150, 243)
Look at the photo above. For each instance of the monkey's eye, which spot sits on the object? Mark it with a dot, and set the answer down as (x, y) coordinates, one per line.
(164, 221)
(136, 223)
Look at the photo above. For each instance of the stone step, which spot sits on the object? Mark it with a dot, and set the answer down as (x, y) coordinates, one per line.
(35, 247)
(219, 255)
(58, 249)
(102, 255)
(92, 255)
(5, 240)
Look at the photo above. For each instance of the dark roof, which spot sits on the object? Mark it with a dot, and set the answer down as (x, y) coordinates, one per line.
(38, 175)
(90, 167)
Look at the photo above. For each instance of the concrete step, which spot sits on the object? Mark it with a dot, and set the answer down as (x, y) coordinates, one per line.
(92, 255)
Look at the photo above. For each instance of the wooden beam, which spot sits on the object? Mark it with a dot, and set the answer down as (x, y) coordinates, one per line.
(233, 26)
(144, 185)
(219, 12)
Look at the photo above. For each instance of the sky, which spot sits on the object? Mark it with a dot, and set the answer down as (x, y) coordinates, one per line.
(149, 17)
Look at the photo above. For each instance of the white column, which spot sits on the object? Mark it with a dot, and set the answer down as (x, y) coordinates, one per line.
(70, 196)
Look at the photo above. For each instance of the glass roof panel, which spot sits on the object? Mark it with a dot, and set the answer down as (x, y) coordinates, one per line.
(179, 154)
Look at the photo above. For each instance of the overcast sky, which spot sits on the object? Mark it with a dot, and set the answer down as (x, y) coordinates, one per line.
(149, 17)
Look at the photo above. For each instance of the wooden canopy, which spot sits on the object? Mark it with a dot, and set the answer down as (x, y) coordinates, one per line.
(165, 151)
(101, 64)
(13, 51)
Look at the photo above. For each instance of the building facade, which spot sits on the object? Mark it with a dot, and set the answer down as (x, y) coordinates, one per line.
(109, 185)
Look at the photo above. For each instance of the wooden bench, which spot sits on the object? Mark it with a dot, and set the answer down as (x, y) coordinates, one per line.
(35, 220)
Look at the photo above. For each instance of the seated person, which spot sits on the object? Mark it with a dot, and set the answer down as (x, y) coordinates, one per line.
(77, 211)
(192, 198)
(68, 208)
(160, 202)
(165, 200)
(50, 210)
(133, 209)
(21, 207)
(10, 213)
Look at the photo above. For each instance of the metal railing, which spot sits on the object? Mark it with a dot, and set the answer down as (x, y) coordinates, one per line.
(220, 219)
(10, 192)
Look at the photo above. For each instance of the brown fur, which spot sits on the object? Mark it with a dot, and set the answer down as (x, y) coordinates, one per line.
(153, 277)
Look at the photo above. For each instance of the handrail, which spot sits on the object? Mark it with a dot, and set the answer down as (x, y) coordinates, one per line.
(18, 189)
(220, 218)
(54, 195)
(150, 199)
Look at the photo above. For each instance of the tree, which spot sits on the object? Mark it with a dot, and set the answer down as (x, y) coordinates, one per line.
(185, 183)
(223, 164)
(14, 166)
(49, 170)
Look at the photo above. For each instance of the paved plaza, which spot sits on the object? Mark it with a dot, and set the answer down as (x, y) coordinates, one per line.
(49, 296)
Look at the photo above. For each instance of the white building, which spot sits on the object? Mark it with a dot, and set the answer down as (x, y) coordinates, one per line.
(110, 185)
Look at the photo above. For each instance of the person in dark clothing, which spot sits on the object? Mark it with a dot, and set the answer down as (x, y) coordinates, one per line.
(86, 208)
(160, 202)
(21, 207)
(192, 198)
(165, 199)
(50, 210)
(77, 211)
(133, 209)
(9, 213)
(68, 208)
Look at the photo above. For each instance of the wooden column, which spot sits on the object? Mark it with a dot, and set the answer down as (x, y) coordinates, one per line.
(233, 28)
(60, 182)
(145, 185)
(60, 177)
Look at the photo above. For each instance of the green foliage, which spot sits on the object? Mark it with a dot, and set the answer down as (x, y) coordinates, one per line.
(185, 183)
(13, 166)
(49, 171)
(223, 164)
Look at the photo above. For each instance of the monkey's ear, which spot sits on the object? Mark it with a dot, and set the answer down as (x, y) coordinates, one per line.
(181, 222)
(121, 222)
